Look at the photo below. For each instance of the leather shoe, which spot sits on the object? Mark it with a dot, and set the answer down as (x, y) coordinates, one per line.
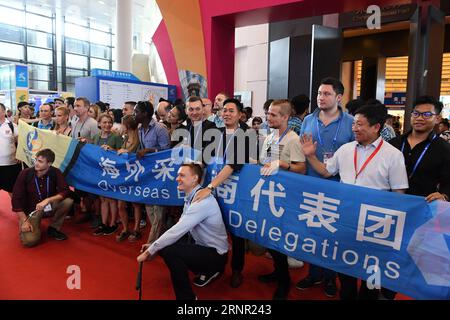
(236, 279)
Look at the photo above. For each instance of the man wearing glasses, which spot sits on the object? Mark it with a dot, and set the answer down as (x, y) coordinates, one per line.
(427, 156)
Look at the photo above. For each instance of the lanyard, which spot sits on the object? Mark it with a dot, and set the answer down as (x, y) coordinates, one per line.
(319, 137)
(79, 132)
(355, 160)
(421, 155)
(224, 136)
(279, 139)
(196, 135)
(38, 190)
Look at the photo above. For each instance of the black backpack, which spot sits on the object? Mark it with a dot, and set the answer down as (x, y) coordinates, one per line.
(11, 125)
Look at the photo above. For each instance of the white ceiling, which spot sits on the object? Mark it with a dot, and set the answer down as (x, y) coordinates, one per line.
(100, 11)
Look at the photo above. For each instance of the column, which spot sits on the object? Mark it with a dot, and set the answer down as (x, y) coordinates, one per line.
(426, 46)
(124, 32)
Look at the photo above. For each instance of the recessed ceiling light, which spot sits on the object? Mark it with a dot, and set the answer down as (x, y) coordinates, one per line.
(101, 2)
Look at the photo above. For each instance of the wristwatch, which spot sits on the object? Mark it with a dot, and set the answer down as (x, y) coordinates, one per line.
(210, 187)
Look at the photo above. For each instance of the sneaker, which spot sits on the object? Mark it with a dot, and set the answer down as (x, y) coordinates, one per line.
(96, 221)
(100, 230)
(122, 236)
(294, 263)
(203, 279)
(308, 282)
(134, 236)
(57, 235)
(270, 277)
(110, 230)
(330, 288)
(142, 223)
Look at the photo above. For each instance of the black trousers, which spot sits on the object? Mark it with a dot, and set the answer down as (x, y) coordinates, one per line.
(349, 289)
(183, 257)
(237, 253)
(281, 266)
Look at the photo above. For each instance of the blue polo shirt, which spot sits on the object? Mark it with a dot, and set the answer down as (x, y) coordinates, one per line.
(156, 136)
(333, 136)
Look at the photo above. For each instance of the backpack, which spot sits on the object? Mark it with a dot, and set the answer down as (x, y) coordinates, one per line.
(11, 125)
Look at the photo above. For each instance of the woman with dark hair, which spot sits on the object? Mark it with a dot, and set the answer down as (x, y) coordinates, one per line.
(175, 118)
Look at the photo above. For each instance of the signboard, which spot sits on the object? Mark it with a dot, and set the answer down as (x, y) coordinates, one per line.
(117, 93)
(21, 76)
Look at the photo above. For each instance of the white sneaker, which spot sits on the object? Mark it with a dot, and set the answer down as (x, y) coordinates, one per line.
(294, 263)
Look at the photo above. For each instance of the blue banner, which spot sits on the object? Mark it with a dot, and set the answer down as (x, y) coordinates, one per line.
(345, 228)
(21, 76)
(150, 180)
(395, 241)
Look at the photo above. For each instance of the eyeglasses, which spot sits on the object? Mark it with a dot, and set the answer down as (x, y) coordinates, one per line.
(425, 115)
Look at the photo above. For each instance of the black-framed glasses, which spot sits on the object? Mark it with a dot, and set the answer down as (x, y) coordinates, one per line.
(425, 115)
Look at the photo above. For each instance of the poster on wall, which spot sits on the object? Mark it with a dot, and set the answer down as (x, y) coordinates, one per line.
(116, 93)
(245, 97)
(192, 84)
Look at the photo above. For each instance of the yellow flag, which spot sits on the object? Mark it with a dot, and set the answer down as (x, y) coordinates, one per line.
(32, 140)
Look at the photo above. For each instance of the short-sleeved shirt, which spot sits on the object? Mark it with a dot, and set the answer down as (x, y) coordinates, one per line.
(386, 170)
(156, 137)
(8, 143)
(339, 130)
(84, 129)
(288, 149)
(432, 173)
(113, 140)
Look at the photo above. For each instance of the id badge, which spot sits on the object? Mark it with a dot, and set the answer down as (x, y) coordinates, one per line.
(48, 208)
(327, 156)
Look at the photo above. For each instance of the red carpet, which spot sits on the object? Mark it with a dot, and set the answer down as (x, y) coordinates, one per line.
(109, 269)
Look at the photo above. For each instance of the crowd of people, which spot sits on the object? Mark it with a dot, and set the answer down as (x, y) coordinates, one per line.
(359, 145)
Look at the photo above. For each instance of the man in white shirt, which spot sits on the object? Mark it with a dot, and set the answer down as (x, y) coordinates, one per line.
(9, 168)
(203, 220)
(368, 162)
(281, 150)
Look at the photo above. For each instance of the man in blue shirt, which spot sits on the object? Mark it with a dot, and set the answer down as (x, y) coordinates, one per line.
(203, 220)
(331, 128)
(45, 113)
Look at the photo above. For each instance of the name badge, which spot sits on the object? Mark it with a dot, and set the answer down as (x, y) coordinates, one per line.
(327, 156)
